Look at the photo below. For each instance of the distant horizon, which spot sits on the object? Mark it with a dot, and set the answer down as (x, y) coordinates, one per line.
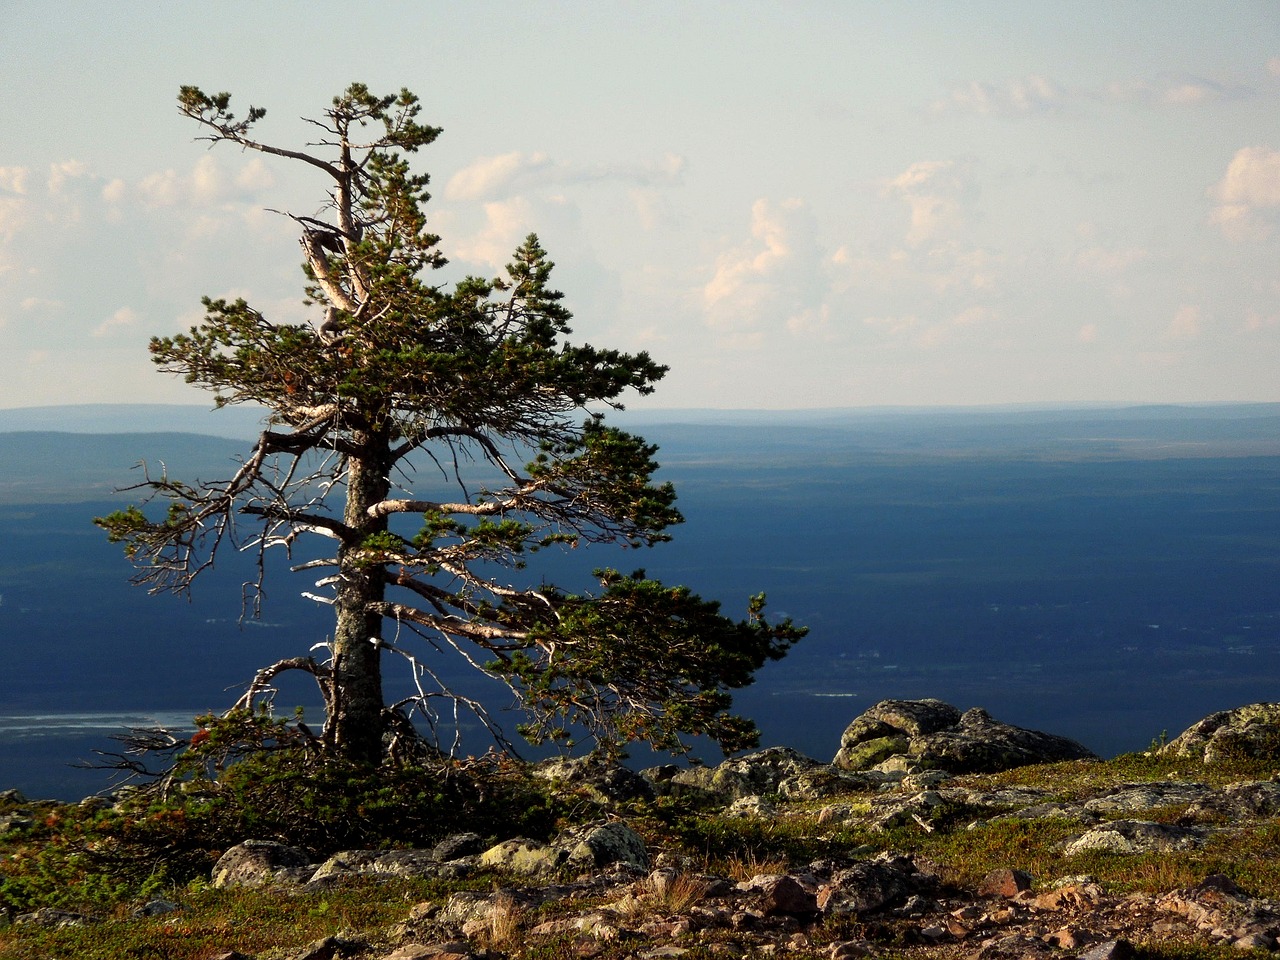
(1030, 405)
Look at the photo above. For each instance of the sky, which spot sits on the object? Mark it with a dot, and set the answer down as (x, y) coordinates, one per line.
(792, 205)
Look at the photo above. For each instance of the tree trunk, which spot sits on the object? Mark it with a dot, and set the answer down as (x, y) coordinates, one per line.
(356, 726)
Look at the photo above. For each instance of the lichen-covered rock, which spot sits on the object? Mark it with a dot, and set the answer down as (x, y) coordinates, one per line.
(458, 845)
(762, 772)
(604, 781)
(1240, 801)
(598, 845)
(522, 856)
(56, 919)
(915, 735)
(1134, 798)
(255, 863)
(581, 848)
(871, 884)
(1134, 836)
(1249, 731)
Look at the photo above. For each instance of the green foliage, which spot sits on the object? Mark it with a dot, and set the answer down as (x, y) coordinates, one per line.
(642, 641)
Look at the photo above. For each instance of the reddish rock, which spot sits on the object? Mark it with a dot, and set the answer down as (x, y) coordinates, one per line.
(783, 894)
(1004, 883)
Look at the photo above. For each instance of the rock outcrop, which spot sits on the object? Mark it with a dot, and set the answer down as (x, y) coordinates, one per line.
(1246, 732)
(915, 735)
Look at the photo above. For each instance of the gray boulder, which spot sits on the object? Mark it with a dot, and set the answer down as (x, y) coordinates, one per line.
(601, 780)
(1251, 731)
(1134, 836)
(521, 855)
(386, 864)
(599, 845)
(929, 734)
(581, 848)
(256, 863)
(872, 884)
(762, 772)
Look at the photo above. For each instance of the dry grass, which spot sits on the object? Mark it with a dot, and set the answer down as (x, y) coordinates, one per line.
(678, 893)
(503, 923)
(744, 867)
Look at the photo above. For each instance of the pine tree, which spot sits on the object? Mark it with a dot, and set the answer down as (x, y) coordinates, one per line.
(481, 381)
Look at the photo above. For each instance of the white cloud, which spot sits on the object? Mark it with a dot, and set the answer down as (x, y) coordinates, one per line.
(1037, 95)
(254, 177)
(1020, 97)
(1248, 197)
(1256, 322)
(776, 279)
(61, 173)
(14, 179)
(812, 324)
(892, 326)
(39, 303)
(206, 184)
(507, 223)
(490, 178)
(1177, 90)
(910, 328)
(114, 191)
(1185, 324)
(161, 189)
(931, 189)
(13, 216)
(124, 317)
(741, 274)
(1088, 333)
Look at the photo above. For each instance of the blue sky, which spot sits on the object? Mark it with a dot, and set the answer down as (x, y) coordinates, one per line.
(792, 205)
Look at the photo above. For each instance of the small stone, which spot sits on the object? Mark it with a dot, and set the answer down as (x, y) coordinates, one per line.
(434, 951)
(1067, 939)
(958, 929)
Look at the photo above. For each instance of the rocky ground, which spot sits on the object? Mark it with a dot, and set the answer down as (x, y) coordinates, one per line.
(923, 848)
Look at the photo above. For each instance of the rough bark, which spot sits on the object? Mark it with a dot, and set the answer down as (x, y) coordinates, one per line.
(356, 726)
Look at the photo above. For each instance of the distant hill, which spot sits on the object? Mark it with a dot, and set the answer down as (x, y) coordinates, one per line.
(1022, 432)
(47, 467)
(87, 452)
(234, 421)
